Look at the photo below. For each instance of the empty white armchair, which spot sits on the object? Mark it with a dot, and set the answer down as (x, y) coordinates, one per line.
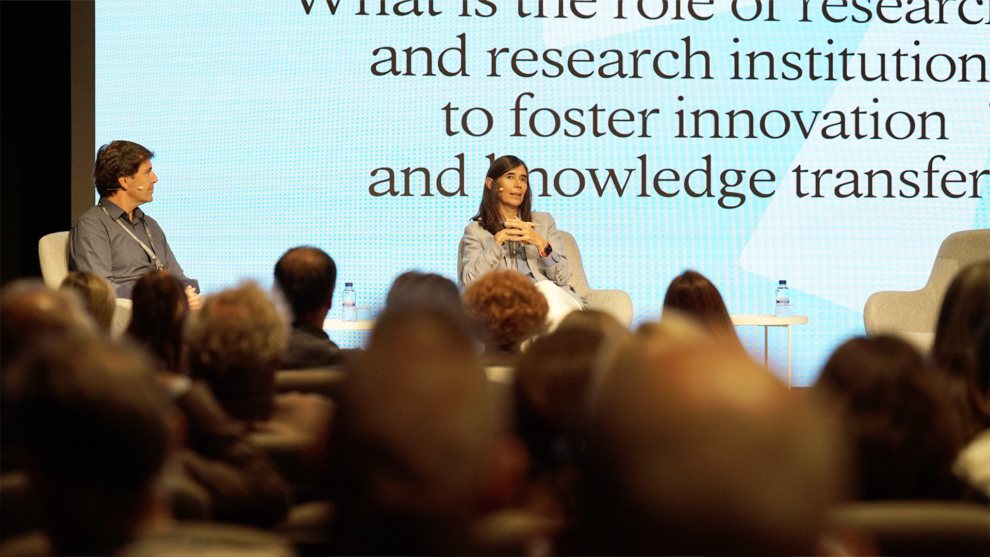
(913, 315)
(617, 303)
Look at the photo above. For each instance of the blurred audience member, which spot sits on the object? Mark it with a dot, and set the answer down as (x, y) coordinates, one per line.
(693, 294)
(29, 309)
(419, 460)
(243, 483)
(98, 433)
(694, 449)
(413, 290)
(158, 319)
(96, 295)
(965, 306)
(973, 464)
(236, 342)
(307, 277)
(900, 426)
(552, 399)
(553, 382)
(509, 309)
(95, 435)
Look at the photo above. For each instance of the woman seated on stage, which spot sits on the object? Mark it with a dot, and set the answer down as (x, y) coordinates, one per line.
(507, 235)
(693, 294)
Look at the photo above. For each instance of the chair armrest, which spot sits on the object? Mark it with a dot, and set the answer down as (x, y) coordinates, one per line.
(890, 312)
(922, 341)
(617, 303)
(121, 317)
(324, 381)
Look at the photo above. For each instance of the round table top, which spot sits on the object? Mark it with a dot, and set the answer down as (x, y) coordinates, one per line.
(768, 320)
(340, 325)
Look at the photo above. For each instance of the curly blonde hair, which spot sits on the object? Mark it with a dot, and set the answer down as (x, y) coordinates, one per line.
(508, 307)
(236, 343)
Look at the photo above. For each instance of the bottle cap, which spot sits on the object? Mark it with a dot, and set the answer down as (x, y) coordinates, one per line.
(348, 284)
(784, 282)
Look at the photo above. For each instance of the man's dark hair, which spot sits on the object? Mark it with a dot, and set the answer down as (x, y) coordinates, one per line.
(413, 290)
(93, 424)
(307, 277)
(116, 160)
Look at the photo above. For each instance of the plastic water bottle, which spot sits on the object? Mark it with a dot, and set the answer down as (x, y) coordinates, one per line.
(783, 296)
(349, 311)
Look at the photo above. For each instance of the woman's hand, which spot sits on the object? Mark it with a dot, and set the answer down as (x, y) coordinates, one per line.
(504, 236)
(522, 232)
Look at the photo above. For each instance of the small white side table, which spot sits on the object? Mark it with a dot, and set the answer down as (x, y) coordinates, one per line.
(766, 321)
(341, 325)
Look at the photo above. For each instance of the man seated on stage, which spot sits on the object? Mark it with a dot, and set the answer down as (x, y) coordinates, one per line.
(307, 277)
(115, 239)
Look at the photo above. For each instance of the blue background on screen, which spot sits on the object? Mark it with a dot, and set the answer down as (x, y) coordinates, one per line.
(267, 123)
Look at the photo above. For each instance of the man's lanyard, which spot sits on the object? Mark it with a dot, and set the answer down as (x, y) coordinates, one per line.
(151, 254)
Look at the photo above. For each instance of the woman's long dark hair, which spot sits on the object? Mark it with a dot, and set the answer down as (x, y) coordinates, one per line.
(488, 216)
(158, 320)
(901, 425)
(965, 307)
(692, 293)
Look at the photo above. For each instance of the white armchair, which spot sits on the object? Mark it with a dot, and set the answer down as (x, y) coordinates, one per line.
(53, 253)
(913, 315)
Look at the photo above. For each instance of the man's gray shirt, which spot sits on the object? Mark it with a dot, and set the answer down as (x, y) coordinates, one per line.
(100, 246)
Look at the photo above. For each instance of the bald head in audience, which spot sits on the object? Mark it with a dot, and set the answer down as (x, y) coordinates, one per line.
(697, 450)
(416, 443)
